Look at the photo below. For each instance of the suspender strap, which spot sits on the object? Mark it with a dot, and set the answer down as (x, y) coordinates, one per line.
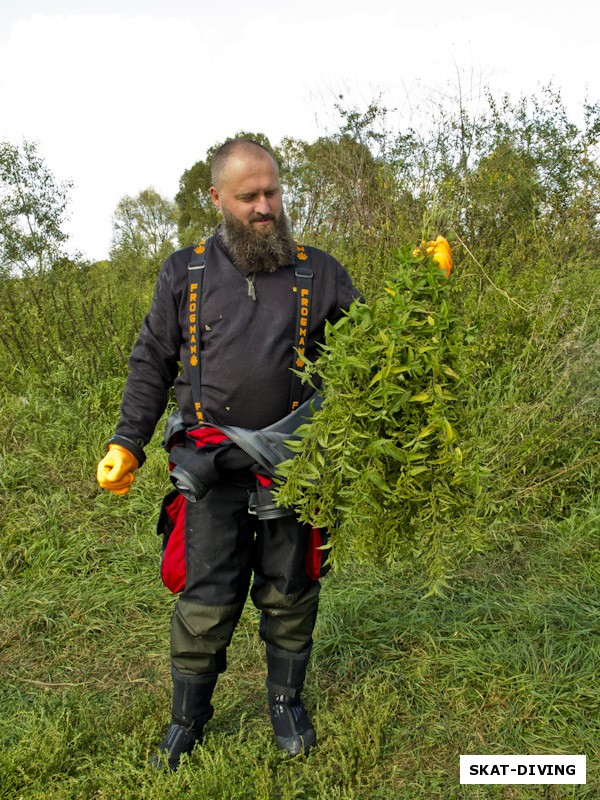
(304, 276)
(195, 277)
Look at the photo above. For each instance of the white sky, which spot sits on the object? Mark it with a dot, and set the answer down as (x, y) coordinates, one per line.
(125, 94)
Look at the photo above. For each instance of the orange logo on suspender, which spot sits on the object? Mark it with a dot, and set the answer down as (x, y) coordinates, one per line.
(193, 326)
(304, 306)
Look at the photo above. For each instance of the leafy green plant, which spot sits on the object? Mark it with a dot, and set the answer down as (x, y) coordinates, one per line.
(381, 465)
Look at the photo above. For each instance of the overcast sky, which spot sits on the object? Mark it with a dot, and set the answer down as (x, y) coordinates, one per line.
(125, 94)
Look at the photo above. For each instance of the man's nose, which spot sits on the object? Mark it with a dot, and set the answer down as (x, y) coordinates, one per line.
(262, 205)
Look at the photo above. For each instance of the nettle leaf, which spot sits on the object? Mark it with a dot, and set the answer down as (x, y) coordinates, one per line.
(381, 462)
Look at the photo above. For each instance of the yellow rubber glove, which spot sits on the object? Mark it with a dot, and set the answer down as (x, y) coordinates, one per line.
(439, 249)
(115, 471)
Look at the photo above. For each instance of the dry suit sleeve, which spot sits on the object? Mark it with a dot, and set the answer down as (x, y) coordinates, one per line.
(153, 363)
(346, 292)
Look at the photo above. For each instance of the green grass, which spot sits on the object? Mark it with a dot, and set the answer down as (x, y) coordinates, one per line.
(398, 687)
(400, 684)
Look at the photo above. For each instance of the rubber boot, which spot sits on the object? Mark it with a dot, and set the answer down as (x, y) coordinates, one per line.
(292, 727)
(191, 710)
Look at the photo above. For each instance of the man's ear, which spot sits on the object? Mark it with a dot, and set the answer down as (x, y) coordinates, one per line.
(214, 196)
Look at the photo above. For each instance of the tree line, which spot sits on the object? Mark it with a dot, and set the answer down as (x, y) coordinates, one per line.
(517, 183)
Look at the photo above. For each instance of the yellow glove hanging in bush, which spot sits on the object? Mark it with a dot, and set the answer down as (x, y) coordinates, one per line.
(115, 471)
(440, 251)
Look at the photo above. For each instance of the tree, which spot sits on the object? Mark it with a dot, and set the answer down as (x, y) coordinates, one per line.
(32, 212)
(197, 214)
(145, 226)
(348, 193)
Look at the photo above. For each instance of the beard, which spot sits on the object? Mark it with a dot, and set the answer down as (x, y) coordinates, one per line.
(254, 251)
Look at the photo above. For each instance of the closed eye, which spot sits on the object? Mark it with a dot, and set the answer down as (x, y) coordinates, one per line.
(248, 198)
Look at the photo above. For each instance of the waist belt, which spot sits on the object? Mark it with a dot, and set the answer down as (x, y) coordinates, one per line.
(266, 446)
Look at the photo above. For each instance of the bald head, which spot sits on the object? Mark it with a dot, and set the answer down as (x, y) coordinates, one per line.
(246, 149)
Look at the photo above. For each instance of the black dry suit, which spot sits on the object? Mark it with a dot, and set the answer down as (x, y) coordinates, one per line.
(246, 331)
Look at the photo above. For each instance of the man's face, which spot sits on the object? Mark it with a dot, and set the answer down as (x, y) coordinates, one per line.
(250, 192)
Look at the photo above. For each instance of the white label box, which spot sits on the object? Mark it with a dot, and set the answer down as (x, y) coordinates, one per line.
(523, 769)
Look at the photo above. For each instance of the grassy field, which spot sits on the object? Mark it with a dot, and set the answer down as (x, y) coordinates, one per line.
(402, 682)
(399, 686)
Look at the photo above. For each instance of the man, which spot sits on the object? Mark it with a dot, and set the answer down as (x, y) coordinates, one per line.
(242, 328)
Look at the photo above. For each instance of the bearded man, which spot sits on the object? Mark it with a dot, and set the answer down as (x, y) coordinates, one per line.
(244, 327)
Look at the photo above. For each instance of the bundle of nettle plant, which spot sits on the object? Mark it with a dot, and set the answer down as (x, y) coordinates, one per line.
(382, 465)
